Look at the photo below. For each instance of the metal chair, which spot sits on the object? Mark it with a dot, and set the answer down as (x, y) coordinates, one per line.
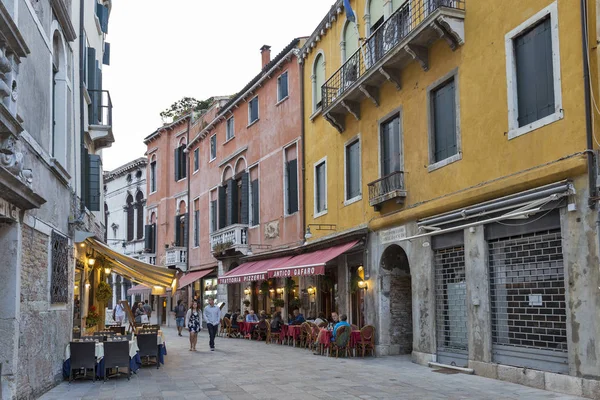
(116, 355)
(148, 345)
(83, 357)
(367, 340)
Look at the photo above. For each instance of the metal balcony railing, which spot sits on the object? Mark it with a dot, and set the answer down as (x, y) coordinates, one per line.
(392, 32)
(388, 187)
(100, 111)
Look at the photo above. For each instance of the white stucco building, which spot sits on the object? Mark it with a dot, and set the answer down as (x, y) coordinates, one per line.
(125, 216)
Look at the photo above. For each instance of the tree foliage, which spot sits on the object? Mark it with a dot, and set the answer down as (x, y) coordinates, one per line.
(185, 106)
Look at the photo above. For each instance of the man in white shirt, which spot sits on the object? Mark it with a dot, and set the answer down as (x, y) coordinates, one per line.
(212, 316)
(119, 313)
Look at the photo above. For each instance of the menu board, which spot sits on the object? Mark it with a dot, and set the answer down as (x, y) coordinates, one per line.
(130, 316)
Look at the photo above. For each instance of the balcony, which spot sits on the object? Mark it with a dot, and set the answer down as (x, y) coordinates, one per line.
(233, 237)
(176, 257)
(100, 118)
(403, 38)
(387, 188)
(148, 258)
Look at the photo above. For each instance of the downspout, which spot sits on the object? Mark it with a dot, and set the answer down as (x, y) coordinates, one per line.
(81, 107)
(302, 127)
(189, 178)
(588, 108)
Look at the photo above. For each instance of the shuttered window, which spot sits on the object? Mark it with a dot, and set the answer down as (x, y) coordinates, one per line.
(196, 228)
(253, 110)
(180, 163)
(213, 147)
(150, 238)
(255, 203)
(444, 121)
(129, 209)
(232, 202)
(230, 127)
(353, 170)
(153, 176)
(213, 216)
(139, 206)
(321, 187)
(102, 14)
(282, 86)
(196, 159)
(391, 157)
(244, 199)
(292, 186)
(535, 77)
(181, 236)
(222, 207)
(94, 175)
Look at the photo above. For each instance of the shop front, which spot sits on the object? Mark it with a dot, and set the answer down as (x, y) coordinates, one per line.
(199, 285)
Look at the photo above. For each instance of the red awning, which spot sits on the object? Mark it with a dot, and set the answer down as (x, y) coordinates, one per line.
(138, 289)
(193, 276)
(252, 271)
(312, 263)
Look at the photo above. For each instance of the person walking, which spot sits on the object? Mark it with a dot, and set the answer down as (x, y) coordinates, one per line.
(148, 311)
(180, 313)
(212, 315)
(194, 323)
(119, 313)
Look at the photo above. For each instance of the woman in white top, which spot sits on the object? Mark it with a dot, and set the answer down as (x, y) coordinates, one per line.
(119, 313)
(194, 324)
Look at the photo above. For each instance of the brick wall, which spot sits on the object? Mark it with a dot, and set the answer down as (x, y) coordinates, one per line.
(44, 333)
(401, 332)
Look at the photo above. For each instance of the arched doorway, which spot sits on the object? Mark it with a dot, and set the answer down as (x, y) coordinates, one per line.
(396, 277)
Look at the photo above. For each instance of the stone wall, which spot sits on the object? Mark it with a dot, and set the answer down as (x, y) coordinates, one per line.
(44, 330)
(401, 329)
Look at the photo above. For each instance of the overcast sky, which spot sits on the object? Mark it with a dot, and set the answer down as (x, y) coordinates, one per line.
(162, 51)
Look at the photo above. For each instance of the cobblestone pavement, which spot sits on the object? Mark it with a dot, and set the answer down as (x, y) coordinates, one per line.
(241, 369)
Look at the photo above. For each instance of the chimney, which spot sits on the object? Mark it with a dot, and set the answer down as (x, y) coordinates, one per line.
(265, 52)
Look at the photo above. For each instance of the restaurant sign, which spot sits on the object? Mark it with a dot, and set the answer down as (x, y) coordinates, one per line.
(393, 235)
(8, 210)
(245, 278)
(297, 271)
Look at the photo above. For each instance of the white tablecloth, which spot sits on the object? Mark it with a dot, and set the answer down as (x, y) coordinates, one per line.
(133, 349)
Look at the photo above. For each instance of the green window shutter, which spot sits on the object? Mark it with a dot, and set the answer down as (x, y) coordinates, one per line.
(255, 204)
(213, 215)
(102, 14)
(353, 170)
(153, 243)
(106, 55)
(292, 178)
(148, 238)
(94, 175)
(222, 207)
(232, 202)
(244, 201)
(177, 230)
(444, 122)
(177, 165)
(186, 223)
(91, 68)
(196, 228)
(183, 162)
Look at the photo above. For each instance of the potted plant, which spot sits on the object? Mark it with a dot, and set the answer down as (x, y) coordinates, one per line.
(246, 303)
(92, 319)
(289, 285)
(278, 302)
(295, 303)
(264, 287)
(220, 248)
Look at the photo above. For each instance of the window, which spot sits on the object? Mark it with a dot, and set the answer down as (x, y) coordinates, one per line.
(196, 223)
(318, 80)
(213, 215)
(533, 73)
(59, 287)
(181, 232)
(352, 159)
(213, 147)
(196, 159)
(443, 121)
(153, 176)
(254, 197)
(253, 110)
(282, 86)
(94, 176)
(230, 128)
(150, 238)
(391, 156)
(139, 208)
(130, 217)
(180, 163)
(59, 101)
(291, 180)
(234, 201)
(321, 188)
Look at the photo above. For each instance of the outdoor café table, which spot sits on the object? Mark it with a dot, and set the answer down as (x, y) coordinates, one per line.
(246, 328)
(293, 332)
(325, 335)
(134, 359)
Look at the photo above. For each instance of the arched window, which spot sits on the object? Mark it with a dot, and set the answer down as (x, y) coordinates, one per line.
(153, 174)
(350, 43)
(139, 205)
(59, 100)
(375, 15)
(130, 217)
(318, 80)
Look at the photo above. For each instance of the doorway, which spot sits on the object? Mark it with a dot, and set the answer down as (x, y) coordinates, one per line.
(397, 283)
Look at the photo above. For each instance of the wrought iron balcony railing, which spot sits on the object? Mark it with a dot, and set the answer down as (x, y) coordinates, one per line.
(386, 38)
(386, 188)
(101, 108)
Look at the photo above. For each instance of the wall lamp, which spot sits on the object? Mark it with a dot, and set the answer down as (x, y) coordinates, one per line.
(311, 290)
(279, 290)
(319, 227)
(362, 284)
(247, 291)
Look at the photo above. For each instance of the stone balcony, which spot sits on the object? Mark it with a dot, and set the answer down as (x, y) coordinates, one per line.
(387, 188)
(148, 258)
(233, 237)
(176, 257)
(100, 118)
(403, 38)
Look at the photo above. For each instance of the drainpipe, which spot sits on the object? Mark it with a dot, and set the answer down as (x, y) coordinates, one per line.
(81, 107)
(302, 127)
(189, 178)
(588, 108)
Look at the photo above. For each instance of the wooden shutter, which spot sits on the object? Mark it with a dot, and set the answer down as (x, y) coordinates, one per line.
(353, 170)
(245, 200)
(177, 231)
(148, 238)
(91, 68)
(213, 215)
(292, 186)
(222, 207)
(186, 224)
(176, 158)
(183, 161)
(130, 221)
(94, 175)
(232, 202)
(255, 204)
(106, 55)
(444, 122)
(102, 14)
(196, 228)
(140, 219)
(153, 242)
(535, 73)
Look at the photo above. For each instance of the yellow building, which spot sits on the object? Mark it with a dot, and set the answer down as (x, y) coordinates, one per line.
(456, 137)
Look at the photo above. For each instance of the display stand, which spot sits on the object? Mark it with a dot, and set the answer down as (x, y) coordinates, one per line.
(130, 316)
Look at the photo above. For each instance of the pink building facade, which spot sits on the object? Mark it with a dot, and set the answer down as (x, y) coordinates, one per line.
(245, 194)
